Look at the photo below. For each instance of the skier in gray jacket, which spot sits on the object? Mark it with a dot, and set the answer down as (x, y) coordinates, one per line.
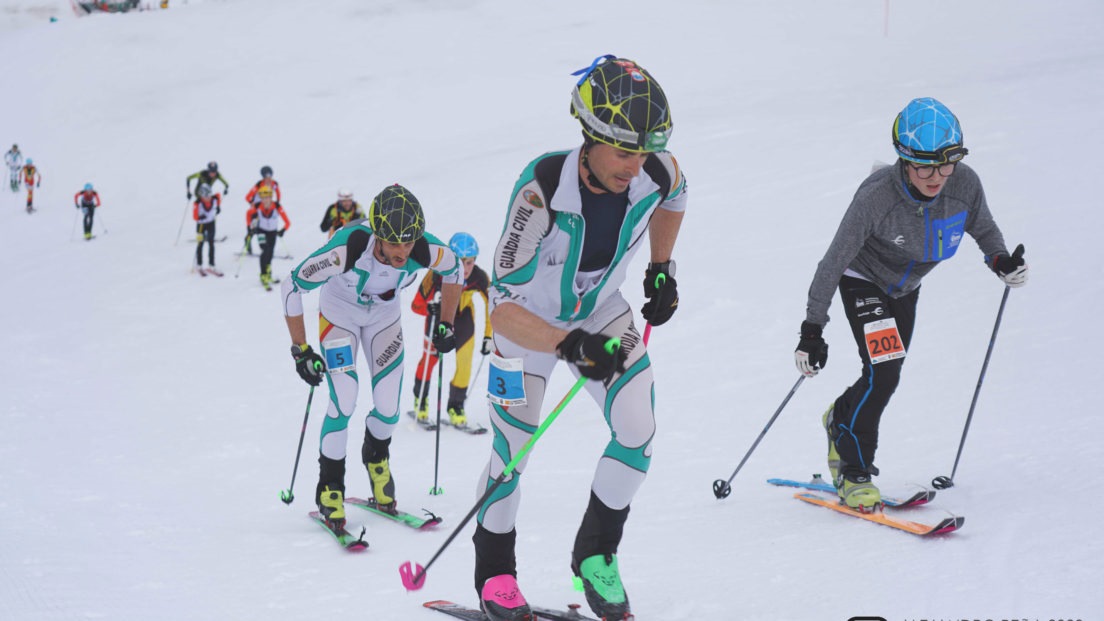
(904, 219)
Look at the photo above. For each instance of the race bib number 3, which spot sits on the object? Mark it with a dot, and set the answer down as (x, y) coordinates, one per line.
(339, 355)
(883, 341)
(506, 381)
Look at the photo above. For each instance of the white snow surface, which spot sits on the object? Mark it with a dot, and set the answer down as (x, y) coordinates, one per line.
(150, 418)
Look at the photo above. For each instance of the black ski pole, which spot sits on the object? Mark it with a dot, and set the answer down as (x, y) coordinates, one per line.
(722, 488)
(942, 482)
(287, 495)
(436, 491)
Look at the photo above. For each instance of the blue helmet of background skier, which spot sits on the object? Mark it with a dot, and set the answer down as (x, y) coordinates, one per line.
(464, 246)
(926, 132)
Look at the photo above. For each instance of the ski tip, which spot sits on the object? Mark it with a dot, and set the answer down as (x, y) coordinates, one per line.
(413, 576)
(949, 525)
(430, 523)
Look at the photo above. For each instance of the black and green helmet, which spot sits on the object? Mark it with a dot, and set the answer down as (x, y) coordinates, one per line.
(620, 104)
(396, 215)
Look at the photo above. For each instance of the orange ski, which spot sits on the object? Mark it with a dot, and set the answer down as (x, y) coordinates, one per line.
(947, 525)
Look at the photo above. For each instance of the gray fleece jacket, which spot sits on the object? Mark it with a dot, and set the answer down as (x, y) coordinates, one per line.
(894, 240)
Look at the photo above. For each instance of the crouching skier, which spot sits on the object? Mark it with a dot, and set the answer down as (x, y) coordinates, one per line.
(361, 271)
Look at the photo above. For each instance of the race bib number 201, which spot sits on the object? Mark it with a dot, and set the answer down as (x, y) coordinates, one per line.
(506, 381)
(883, 341)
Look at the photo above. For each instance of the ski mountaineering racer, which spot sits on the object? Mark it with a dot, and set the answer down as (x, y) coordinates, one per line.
(264, 220)
(207, 206)
(426, 302)
(87, 200)
(340, 213)
(31, 179)
(903, 221)
(13, 159)
(252, 199)
(576, 219)
(360, 273)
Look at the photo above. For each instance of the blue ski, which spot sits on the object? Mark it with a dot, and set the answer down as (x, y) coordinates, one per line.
(922, 497)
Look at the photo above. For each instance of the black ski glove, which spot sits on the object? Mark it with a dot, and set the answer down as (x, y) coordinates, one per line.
(593, 354)
(444, 340)
(308, 364)
(189, 195)
(1011, 269)
(662, 293)
(488, 345)
(280, 233)
(811, 354)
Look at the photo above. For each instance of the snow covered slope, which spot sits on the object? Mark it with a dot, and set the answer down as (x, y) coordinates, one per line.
(150, 418)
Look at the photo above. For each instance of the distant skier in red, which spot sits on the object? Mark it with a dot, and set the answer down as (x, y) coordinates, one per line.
(87, 200)
(31, 179)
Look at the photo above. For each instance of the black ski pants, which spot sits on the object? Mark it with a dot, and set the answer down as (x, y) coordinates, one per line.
(857, 412)
(205, 233)
(89, 214)
(268, 248)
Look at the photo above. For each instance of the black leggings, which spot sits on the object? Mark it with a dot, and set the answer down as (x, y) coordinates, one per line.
(89, 212)
(268, 248)
(858, 411)
(205, 233)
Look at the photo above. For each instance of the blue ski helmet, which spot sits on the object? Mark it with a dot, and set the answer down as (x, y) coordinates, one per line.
(88, 187)
(926, 132)
(30, 162)
(464, 246)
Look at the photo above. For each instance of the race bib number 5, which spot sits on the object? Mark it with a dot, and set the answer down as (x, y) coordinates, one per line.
(506, 381)
(883, 341)
(339, 355)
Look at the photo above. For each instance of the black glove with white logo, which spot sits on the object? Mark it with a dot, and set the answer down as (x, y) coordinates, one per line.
(1011, 269)
(812, 352)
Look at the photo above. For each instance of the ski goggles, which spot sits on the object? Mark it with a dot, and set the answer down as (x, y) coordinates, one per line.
(946, 155)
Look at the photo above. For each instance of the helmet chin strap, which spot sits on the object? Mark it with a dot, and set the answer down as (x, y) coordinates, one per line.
(592, 179)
